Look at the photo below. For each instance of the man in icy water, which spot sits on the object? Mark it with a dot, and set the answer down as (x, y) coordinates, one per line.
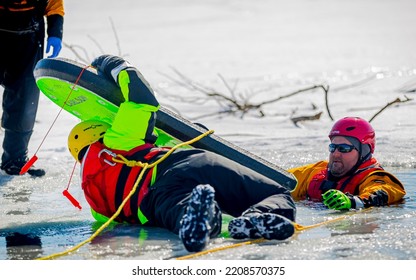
(187, 191)
(352, 178)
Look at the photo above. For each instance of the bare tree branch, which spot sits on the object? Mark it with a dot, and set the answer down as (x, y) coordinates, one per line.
(116, 37)
(96, 43)
(233, 102)
(397, 100)
(85, 57)
(231, 90)
(326, 90)
(292, 94)
(73, 48)
(306, 118)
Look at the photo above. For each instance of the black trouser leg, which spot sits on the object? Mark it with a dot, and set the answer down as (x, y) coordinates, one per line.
(21, 95)
(238, 188)
(20, 105)
(166, 204)
(15, 145)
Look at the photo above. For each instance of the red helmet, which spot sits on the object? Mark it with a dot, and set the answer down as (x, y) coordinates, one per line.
(355, 127)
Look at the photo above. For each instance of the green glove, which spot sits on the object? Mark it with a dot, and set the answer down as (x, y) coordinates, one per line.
(335, 199)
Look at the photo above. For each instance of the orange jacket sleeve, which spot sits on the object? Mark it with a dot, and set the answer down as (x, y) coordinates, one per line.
(304, 175)
(382, 180)
(55, 7)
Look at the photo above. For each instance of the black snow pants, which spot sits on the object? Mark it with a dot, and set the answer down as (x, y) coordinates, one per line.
(19, 54)
(237, 188)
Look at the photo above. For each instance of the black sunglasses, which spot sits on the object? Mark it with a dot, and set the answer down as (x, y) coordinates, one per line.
(342, 148)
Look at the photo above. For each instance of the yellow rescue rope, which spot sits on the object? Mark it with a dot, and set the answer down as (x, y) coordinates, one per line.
(130, 163)
(145, 166)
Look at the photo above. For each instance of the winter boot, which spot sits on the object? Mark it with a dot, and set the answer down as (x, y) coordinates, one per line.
(273, 226)
(256, 225)
(242, 228)
(13, 167)
(201, 220)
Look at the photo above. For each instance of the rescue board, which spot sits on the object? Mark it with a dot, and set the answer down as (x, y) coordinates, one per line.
(88, 94)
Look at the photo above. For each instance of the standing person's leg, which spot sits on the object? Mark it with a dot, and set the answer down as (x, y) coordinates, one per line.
(20, 103)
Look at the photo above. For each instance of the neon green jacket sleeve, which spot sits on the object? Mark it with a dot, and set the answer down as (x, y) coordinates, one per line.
(134, 123)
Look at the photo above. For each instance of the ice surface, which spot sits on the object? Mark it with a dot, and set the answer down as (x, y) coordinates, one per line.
(364, 50)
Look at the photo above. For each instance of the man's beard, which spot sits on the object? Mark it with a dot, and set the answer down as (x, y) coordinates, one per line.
(337, 168)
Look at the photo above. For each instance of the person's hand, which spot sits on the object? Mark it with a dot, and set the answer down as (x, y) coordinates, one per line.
(378, 198)
(335, 199)
(110, 65)
(56, 44)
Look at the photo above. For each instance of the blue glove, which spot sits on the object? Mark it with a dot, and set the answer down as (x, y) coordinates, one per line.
(335, 199)
(56, 44)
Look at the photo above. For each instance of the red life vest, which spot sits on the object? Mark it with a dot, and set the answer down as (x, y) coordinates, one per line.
(349, 184)
(106, 183)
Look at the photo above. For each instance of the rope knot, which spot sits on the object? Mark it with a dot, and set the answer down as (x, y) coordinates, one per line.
(129, 163)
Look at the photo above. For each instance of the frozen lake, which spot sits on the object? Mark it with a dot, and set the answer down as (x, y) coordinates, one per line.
(378, 234)
(364, 52)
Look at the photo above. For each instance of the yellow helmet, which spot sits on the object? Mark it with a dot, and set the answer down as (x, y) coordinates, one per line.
(84, 134)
